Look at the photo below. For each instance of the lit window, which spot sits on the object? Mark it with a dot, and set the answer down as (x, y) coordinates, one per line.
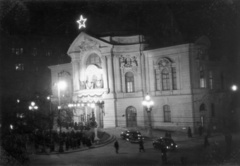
(165, 80)
(129, 78)
(17, 51)
(202, 77)
(94, 59)
(210, 80)
(167, 113)
(19, 67)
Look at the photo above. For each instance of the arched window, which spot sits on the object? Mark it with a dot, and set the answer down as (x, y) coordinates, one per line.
(165, 80)
(202, 107)
(131, 116)
(167, 113)
(210, 75)
(94, 59)
(129, 82)
(202, 77)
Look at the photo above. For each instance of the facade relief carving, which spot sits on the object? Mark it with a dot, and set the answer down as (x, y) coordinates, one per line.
(128, 61)
(88, 44)
(163, 63)
(93, 78)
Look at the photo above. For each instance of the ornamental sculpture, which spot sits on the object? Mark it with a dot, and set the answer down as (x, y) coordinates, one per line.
(88, 44)
(128, 61)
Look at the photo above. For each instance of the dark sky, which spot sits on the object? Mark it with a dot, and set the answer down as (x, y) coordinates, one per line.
(163, 22)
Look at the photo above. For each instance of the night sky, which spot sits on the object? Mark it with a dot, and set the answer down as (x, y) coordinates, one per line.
(162, 22)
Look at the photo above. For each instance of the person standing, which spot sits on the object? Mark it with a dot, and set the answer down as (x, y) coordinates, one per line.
(116, 146)
(206, 143)
(164, 154)
(189, 132)
(141, 146)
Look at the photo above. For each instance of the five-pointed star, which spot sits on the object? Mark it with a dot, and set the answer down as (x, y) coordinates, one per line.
(81, 22)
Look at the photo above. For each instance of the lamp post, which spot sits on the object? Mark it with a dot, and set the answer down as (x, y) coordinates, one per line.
(94, 122)
(148, 104)
(33, 107)
(61, 85)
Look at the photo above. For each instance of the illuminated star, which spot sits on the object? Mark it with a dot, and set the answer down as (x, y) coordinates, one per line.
(81, 22)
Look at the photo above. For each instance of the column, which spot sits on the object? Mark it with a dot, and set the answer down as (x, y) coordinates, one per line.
(105, 73)
(110, 73)
(117, 74)
(75, 75)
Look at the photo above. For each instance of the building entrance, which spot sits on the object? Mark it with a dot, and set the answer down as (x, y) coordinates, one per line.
(131, 117)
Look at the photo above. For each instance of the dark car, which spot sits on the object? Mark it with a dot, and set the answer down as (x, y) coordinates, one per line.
(131, 135)
(164, 142)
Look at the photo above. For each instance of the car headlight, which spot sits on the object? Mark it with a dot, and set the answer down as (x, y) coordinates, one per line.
(176, 146)
(168, 147)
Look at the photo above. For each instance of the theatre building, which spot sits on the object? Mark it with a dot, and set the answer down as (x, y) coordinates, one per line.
(109, 77)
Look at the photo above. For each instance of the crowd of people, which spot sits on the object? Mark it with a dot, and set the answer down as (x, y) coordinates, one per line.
(19, 145)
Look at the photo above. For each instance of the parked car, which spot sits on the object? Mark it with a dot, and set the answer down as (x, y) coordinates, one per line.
(164, 142)
(131, 135)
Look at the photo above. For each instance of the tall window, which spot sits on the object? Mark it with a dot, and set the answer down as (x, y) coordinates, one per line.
(129, 79)
(174, 78)
(210, 80)
(202, 77)
(19, 67)
(167, 113)
(202, 107)
(165, 79)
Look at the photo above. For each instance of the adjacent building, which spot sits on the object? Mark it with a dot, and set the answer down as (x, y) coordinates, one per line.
(109, 77)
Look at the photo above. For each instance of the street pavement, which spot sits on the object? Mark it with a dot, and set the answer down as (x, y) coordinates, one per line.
(191, 149)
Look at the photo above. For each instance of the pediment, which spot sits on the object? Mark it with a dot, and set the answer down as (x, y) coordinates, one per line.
(85, 42)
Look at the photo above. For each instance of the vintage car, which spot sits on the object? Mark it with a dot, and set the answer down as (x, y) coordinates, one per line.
(131, 135)
(164, 142)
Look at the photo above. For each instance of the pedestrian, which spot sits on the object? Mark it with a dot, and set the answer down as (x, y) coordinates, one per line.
(116, 146)
(141, 146)
(189, 132)
(164, 154)
(206, 143)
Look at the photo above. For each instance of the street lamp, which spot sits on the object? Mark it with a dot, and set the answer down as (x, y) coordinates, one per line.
(234, 87)
(61, 85)
(33, 106)
(94, 123)
(148, 104)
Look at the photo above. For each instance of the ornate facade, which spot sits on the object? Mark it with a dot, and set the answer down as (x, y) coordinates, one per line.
(116, 73)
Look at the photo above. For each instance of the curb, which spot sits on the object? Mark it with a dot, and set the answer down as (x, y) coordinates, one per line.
(106, 142)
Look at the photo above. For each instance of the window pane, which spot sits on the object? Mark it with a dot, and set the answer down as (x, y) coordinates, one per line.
(165, 80)
(174, 78)
(167, 113)
(129, 78)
